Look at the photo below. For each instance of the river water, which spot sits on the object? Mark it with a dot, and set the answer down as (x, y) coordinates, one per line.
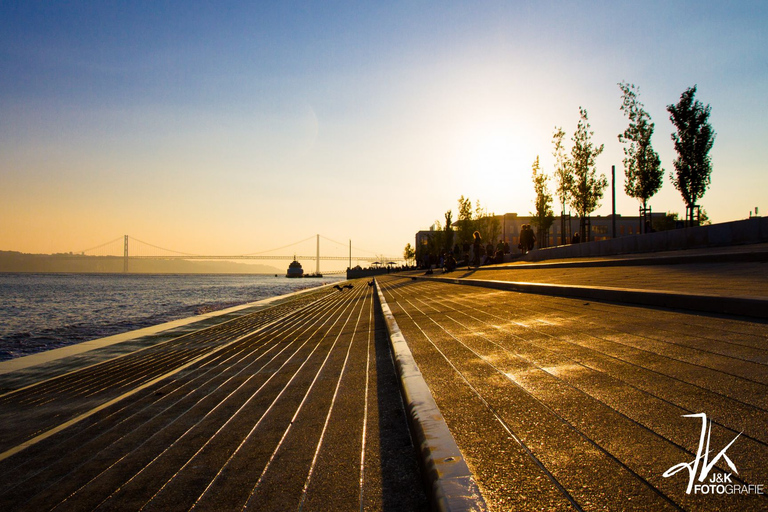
(44, 311)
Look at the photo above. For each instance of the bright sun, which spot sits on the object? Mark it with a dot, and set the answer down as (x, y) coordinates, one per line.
(496, 159)
(494, 155)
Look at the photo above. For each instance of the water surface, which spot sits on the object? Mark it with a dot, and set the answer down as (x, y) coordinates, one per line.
(44, 311)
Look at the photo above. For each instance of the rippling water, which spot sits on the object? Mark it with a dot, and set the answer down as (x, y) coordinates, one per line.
(43, 311)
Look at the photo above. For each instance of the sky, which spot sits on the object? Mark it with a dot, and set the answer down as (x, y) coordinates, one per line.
(236, 127)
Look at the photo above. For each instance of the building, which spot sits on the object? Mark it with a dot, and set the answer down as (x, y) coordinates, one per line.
(599, 227)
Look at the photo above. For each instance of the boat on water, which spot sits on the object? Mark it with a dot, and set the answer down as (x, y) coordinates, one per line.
(295, 270)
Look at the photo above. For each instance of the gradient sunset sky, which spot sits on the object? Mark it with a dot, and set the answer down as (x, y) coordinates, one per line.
(234, 127)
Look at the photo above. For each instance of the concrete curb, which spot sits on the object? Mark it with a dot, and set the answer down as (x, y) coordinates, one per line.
(728, 234)
(740, 306)
(629, 260)
(451, 485)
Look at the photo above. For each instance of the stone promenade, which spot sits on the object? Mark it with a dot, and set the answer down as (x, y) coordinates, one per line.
(561, 402)
(295, 406)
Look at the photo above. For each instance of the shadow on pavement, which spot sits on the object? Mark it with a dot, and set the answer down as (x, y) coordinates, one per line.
(401, 482)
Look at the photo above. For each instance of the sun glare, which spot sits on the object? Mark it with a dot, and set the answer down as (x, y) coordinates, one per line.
(500, 168)
(494, 155)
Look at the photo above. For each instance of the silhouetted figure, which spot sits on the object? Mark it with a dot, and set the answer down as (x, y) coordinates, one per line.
(531, 238)
(527, 238)
(477, 247)
(450, 263)
(576, 238)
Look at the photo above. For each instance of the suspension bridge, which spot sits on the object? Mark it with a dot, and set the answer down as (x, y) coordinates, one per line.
(131, 248)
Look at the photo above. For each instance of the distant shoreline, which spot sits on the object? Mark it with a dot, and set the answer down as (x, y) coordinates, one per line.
(17, 262)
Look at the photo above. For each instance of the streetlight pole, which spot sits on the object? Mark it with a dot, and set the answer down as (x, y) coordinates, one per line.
(613, 193)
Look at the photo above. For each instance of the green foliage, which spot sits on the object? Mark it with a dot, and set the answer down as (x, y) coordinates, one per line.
(693, 141)
(448, 242)
(465, 222)
(563, 172)
(666, 223)
(543, 217)
(588, 186)
(486, 223)
(704, 219)
(642, 165)
(436, 239)
(409, 254)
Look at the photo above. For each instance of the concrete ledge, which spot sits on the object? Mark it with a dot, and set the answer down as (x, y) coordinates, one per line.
(755, 256)
(748, 231)
(451, 485)
(740, 306)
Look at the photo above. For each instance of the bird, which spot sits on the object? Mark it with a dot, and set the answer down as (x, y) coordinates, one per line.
(337, 287)
(348, 286)
(370, 284)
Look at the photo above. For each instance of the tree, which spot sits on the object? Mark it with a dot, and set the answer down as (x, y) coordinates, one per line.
(487, 224)
(693, 141)
(642, 166)
(563, 177)
(667, 222)
(436, 241)
(409, 254)
(493, 227)
(704, 218)
(587, 186)
(448, 247)
(480, 219)
(465, 221)
(543, 218)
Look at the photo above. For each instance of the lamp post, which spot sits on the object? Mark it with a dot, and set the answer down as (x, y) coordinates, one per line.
(613, 193)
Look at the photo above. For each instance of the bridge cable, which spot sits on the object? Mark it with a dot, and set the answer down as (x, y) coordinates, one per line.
(162, 248)
(279, 248)
(100, 246)
(345, 245)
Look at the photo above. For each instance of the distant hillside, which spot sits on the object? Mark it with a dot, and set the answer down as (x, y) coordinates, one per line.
(12, 261)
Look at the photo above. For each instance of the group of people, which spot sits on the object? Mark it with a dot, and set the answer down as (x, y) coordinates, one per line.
(476, 253)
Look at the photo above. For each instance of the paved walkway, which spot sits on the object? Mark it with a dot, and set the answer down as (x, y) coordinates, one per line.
(715, 271)
(563, 403)
(293, 407)
(726, 279)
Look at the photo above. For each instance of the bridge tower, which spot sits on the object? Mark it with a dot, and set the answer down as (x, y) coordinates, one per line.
(125, 254)
(317, 260)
